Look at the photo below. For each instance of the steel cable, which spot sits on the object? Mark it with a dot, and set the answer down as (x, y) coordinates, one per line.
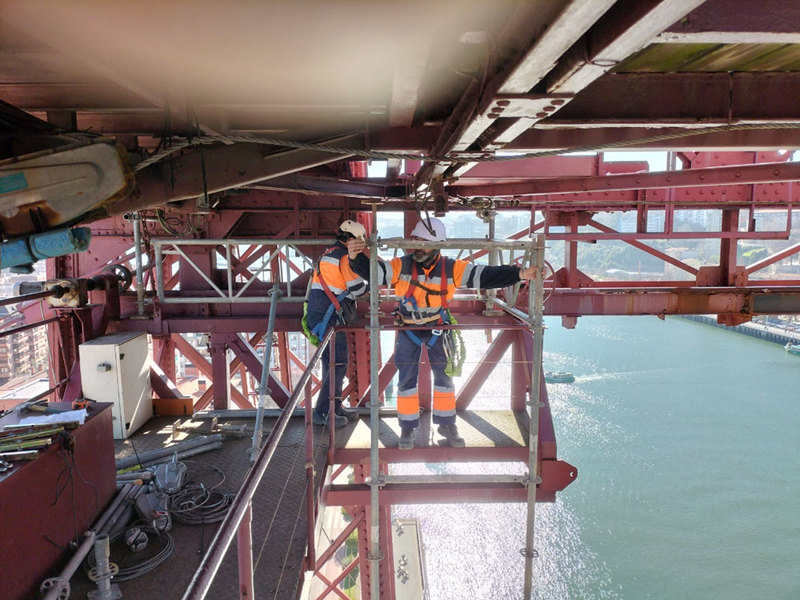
(134, 569)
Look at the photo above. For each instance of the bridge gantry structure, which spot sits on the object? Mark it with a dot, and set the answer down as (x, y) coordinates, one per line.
(203, 292)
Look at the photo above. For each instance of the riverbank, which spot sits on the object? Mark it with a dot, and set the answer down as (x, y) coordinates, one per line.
(761, 331)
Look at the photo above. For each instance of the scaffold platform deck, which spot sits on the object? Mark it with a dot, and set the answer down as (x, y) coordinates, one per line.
(489, 435)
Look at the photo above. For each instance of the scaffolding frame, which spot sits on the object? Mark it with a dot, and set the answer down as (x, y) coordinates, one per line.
(534, 319)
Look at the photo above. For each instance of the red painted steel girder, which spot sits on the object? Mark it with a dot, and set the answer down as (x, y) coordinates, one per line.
(717, 21)
(556, 475)
(677, 301)
(626, 298)
(717, 176)
(664, 137)
(691, 100)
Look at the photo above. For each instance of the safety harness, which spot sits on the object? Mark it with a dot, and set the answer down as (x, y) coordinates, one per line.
(452, 342)
(316, 333)
(410, 304)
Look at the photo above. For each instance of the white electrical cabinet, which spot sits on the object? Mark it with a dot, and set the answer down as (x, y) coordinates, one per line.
(115, 368)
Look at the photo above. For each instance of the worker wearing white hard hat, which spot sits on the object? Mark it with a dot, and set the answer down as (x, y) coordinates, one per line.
(330, 300)
(426, 283)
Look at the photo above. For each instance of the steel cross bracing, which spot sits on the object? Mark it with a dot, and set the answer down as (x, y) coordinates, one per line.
(213, 269)
(735, 292)
(726, 288)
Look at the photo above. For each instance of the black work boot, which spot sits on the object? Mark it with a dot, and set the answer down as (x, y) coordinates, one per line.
(450, 434)
(350, 415)
(406, 438)
(322, 420)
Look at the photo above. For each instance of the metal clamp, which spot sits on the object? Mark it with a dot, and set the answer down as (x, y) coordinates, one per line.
(380, 481)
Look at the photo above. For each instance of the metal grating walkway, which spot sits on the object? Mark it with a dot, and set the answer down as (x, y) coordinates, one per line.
(279, 516)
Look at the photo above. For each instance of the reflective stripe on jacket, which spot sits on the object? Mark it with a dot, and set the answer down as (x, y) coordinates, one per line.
(427, 291)
(334, 267)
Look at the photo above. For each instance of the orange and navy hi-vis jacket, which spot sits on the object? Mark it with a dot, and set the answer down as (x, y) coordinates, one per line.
(425, 284)
(334, 268)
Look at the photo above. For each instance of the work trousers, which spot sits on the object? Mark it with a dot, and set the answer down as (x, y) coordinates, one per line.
(406, 358)
(341, 356)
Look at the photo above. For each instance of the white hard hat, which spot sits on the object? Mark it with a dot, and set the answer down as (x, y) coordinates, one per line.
(355, 229)
(439, 232)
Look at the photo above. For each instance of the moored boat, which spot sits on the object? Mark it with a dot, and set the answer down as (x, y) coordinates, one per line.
(792, 348)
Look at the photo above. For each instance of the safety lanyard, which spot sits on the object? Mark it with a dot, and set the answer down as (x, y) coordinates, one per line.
(325, 287)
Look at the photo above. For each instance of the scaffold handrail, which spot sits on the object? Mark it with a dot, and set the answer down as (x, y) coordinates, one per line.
(233, 294)
(206, 571)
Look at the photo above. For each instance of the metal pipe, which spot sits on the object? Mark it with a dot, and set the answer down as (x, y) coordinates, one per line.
(332, 391)
(55, 290)
(137, 246)
(102, 572)
(159, 272)
(204, 575)
(8, 332)
(130, 461)
(69, 569)
(123, 493)
(452, 478)
(493, 257)
(243, 242)
(262, 386)
(122, 511)
(536, 309)
(374, 555)
(185, 454)
(514, 312)
(311, 551)
(274, 413)
(237, 413)
(225, 299)
(244, 548)
(454, 244)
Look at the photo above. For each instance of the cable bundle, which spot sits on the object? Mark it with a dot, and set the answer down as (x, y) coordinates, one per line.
(195, 504)
(128, 569)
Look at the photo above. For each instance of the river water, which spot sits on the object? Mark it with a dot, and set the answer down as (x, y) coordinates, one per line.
(687, 443)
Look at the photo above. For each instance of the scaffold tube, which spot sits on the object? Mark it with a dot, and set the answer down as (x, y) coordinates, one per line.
(137, 246)
(262, 386)
(536, 310)
(374, 423)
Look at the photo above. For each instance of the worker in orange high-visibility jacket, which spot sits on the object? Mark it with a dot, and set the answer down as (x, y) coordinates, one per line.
(331, 301)
(426, 282)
